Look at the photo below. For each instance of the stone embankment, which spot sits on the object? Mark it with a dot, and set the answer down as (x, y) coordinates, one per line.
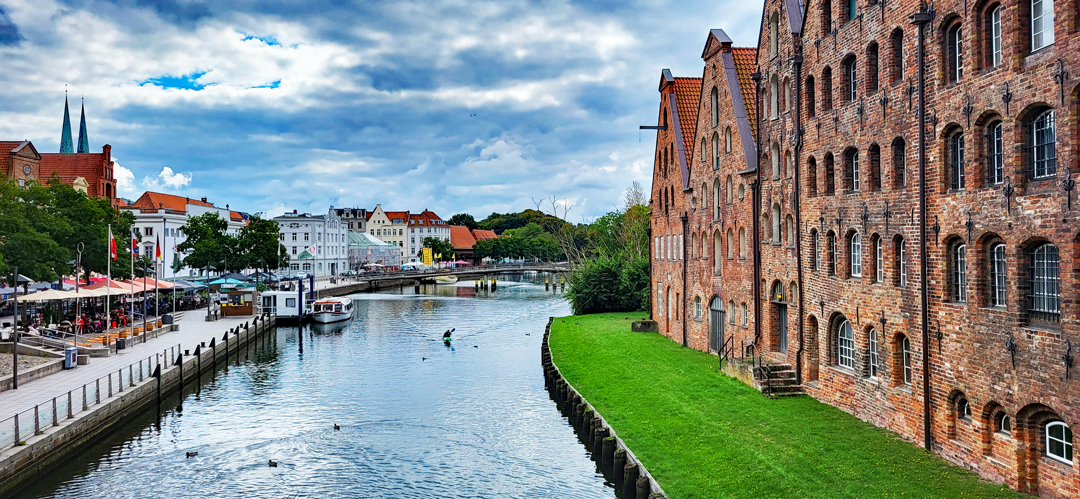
(617, 461)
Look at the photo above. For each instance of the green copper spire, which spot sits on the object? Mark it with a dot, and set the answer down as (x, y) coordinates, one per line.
(84, 141)
(65, 136)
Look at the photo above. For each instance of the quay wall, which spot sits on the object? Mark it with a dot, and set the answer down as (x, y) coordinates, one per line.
(21, 464)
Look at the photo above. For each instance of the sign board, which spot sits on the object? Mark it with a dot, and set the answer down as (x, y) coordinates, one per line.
(427, 256)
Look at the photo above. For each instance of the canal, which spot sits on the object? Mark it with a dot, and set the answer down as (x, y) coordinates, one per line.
(417, 418)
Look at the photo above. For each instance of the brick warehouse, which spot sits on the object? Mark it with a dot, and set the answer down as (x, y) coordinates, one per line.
(800, 193)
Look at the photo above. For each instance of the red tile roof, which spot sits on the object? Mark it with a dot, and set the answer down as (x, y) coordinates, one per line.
(397, 215)
(120, 203)
(687, 97)
(744, 65)
(153, 200)
(428, 217)
(461, 238)
(480, 234)
(68, 167)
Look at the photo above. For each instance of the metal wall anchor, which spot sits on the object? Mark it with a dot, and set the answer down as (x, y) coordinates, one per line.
(1011, 347)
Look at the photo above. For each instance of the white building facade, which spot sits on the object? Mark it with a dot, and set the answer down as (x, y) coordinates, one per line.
(421, 226)
(316, 244)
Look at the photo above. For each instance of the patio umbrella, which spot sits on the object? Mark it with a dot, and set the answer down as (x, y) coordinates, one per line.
(48, 294)
(228, 280)
(238, 277)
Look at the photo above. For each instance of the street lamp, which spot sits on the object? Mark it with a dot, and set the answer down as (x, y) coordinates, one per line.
(15, 335)
(78, 302)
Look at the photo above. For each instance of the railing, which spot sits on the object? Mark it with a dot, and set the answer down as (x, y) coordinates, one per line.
(16, 429)
(727, 350)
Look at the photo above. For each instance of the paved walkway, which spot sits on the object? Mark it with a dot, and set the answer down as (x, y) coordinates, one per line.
(193, 330)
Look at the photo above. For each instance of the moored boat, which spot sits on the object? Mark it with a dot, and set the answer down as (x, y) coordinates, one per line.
(331, 309)
(445, 279)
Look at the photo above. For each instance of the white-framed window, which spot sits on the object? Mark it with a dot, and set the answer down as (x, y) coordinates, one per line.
(1045, 282)
(875, 365)
(727, 140)
(963, 409)
(856, 255)
(956, 53)
(879, 261)
(659, 299)
(845, 346)
(1059, 444)
(995, 153)
(697, 308)
(1002, 423)
(903, 264)
(995, 37)
(905, 346)
(1044, 145)
(716, 150)
(956, 161)
(745, 315)
(1042, 24)
(851, 74)
(997, 275)
(731, 312)
(960, 273)
(715, 101)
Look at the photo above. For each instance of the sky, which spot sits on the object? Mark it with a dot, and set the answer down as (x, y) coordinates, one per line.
(268, 106)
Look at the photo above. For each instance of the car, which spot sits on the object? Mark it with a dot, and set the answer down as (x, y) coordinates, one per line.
(301, 275)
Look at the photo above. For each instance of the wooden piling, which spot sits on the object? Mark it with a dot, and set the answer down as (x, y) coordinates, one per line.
(608, 453)
(630, 477)
(618, 465)
(643, 487)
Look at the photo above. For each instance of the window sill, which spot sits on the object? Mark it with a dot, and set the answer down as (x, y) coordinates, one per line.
(841, 370)
(1061, 465)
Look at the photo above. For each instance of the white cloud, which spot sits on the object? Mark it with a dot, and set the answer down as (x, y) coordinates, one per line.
(167, 179)
(125, 181)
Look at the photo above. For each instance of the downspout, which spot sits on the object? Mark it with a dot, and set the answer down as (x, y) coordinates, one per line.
(921, 19)
(755, 192)
(798, 207)
(682, 246)
(648, 235)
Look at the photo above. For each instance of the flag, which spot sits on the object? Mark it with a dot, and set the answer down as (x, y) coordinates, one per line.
(112, 246)
(311, 249)
(134, 243)
(157, 249)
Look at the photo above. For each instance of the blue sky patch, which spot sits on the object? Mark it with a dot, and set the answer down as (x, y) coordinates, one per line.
(186, 82)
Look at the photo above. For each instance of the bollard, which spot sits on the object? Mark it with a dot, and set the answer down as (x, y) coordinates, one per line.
(630, 476)
(494, 284)
(643, 488)
(547, 284)
(618, 465)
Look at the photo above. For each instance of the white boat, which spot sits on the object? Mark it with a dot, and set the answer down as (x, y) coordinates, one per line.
(445, 279)
(285, 304)
(331, 309)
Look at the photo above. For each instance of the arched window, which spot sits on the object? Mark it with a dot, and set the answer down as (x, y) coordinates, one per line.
(731, 312)
(774, 97)
(727, 139)
(899, 156)
(963, 409)
(851, 78)
(791, 236)
(811, 177)
(693, 244)
(716, 150)
(789, 165)
(901, 273)
(851, 164)
(872, 67)
(826, 89)
(730, 194)
(954, 50)
(956, 160)
(879, 260)
(845, 346)
(745, 314)
(995, 154)
(742, 243)
(856, 255)
(997, 275)
(786, 104)
(959, 273)
(697, 308)
(774, 34)
(905, 351)
(815, 250)
(775, 161)
(715, 100)
(993, 24)
(830, 175)
(1045, 287)
(742, 191)
(716, 199)
(730, 244)
(704, 157)
(776, 224)
(705, 195)
(826, 18)
(1059, 444)
(1043, 145)
(810, 109)
(1002, 423)
(830, 240)
(1042, 24)
(875, 364)
(717, 250)
(896, 42)
(875, 167)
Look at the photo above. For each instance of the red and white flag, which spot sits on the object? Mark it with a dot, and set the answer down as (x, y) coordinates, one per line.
(112, 245)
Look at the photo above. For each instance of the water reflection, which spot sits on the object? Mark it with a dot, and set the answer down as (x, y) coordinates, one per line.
(417, 418)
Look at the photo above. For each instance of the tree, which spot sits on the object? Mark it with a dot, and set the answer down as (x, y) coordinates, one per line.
(26, 233)
(87, 222)
(258, 241)
(465, 220)
(207, 244)
(439, 247)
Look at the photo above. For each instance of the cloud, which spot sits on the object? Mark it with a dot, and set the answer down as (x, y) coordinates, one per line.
(167, 179)
(125, 181)
(9, 32)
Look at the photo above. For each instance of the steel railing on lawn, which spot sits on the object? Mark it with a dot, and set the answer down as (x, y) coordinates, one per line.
(34, 421)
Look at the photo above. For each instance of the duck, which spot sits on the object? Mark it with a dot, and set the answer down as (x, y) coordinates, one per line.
(273, 464)
(423, 359)
(476, 346)
(192, 454)
(336, 427)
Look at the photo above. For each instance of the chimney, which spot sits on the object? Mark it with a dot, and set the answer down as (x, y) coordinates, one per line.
(204, 199)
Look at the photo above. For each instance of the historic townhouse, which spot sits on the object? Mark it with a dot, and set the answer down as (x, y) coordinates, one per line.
(847, 198)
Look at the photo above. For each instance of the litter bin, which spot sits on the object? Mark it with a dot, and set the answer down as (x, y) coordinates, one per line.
(70, 359)
(167, 319)
(121, 343)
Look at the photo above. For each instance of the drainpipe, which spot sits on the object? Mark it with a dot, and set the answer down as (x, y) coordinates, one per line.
(798, 208)
(648, 236)
(755, 193)
(921, 19)
(682, 246)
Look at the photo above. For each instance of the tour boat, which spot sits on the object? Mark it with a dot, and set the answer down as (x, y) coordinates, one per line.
(331, 309)
(445, 279)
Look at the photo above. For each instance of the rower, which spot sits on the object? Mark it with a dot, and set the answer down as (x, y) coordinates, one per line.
(446, 335)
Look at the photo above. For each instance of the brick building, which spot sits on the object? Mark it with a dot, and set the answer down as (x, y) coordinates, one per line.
(924, 282)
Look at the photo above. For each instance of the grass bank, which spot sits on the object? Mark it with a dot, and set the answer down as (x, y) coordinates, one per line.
(703, 434)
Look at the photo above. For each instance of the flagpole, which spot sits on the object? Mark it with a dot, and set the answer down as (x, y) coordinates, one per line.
(131, 296)
(108, 282)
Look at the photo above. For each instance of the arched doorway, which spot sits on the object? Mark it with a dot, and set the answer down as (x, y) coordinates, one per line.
(716, 324)
(779, 304)
(812, 348)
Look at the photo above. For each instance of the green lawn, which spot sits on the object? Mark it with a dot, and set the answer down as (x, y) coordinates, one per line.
(703, 434)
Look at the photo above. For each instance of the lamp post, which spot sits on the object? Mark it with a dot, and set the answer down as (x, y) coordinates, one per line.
(15, 335)
(78, 302)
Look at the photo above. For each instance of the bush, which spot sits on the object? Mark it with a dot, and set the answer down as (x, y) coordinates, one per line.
(608, 284)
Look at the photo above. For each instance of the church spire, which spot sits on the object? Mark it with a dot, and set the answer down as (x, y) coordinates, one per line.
(65, 136)
(84, 141)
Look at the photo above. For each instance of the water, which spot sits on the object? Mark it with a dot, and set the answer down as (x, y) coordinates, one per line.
(473, 420)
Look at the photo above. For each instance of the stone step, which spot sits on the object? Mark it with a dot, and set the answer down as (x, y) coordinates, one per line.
(783, 389)
(778, 382)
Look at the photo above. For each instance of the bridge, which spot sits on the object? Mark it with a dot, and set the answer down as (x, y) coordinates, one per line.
(327, 286)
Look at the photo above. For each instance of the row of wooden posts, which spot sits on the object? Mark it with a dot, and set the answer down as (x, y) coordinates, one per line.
(598, 437)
